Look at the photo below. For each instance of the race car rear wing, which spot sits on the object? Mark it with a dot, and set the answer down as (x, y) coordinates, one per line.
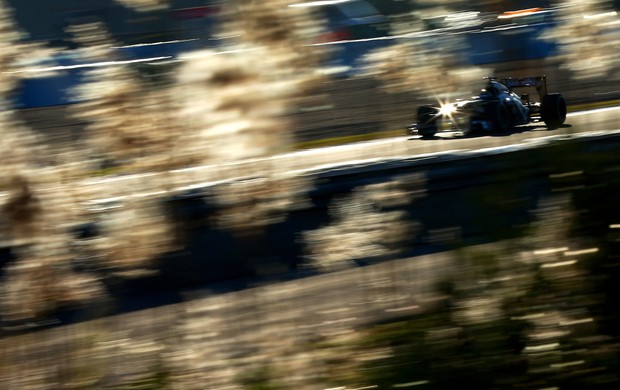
(538, 82)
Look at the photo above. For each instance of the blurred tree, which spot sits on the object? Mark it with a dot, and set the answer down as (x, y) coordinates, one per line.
(124, 109)
(517, 314)
(235, 103)
(362, 231)
(221, 108)
(588, 39)
(38, 206)
(411, 66)
(430, 65)
(145, 5)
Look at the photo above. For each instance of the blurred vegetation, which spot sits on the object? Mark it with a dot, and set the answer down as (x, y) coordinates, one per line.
(261, 378)
(587, 35)
(536, 311)
(552, 334)
(532, 312)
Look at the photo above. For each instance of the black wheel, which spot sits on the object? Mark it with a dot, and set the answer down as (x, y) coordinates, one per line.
(473, 127)
(499, 115)
(470, 121)
(427, 121)
(553, 110)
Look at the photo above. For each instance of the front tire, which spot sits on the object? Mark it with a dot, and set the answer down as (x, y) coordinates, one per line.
(427, 121)
(553, 110)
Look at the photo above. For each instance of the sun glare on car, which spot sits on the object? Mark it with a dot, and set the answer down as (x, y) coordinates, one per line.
(447, 109)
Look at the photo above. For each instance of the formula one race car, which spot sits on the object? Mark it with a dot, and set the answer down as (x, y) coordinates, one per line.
(498, 108)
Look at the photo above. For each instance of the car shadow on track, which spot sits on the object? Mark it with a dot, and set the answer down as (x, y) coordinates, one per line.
(532, 127)
(452, 135)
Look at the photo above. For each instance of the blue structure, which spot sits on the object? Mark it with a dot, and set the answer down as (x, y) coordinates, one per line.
(52, 85)
(51, 82)
(521, 42)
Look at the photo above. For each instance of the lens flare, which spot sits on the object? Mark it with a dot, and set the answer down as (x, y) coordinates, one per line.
(447, 109)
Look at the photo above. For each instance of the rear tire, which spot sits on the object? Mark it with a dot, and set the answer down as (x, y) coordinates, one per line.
(553, 110)
(427, 121)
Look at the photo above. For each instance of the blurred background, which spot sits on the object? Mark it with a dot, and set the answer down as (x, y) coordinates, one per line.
(222, 194)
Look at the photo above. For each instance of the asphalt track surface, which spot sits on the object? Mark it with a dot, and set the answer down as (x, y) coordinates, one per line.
(604, 119)
(598, 120)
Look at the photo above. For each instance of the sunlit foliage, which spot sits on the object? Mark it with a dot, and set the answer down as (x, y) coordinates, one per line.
(517, 313)
(587, 33)
(410, 66)
(361, 231)
(145, 5)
